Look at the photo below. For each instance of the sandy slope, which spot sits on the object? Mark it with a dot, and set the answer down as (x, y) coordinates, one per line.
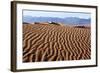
(55, 43)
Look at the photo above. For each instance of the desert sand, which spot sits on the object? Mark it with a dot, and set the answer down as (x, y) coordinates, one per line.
(55, 43)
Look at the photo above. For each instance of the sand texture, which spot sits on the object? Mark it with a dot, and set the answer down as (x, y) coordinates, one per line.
(42, 42)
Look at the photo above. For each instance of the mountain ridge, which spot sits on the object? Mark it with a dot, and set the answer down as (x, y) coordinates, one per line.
(66, 20)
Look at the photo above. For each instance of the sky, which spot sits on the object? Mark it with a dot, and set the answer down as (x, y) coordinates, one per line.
(59, 14)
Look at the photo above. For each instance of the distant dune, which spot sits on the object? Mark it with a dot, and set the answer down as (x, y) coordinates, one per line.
(55, 43)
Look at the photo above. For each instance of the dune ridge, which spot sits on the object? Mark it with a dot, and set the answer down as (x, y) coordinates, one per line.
(55, 43)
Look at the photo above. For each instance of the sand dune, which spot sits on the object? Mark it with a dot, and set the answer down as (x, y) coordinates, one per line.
(55, 43)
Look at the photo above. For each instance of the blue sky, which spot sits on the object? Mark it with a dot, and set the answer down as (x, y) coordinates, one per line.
(35, 13)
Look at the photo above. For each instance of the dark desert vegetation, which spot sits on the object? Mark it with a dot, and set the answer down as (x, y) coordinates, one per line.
(26, 23)
(82, 27)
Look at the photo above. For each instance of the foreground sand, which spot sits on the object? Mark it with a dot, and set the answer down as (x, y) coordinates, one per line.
(55, 43)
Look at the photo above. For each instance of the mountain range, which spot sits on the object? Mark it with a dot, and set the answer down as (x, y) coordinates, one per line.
(67, 20)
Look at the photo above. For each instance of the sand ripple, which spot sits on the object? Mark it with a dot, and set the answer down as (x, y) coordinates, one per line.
(55, 43)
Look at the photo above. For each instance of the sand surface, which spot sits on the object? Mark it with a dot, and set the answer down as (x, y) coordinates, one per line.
(55, 43)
